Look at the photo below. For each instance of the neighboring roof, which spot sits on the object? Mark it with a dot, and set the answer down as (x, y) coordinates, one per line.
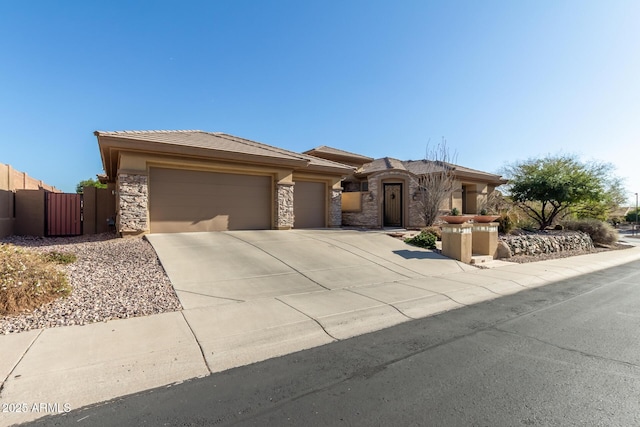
(207, 144)
(331, 153)
(620, 211)
(421, 167)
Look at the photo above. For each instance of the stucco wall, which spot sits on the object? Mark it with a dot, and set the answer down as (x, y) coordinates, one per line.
(12, 180)
(30, 217)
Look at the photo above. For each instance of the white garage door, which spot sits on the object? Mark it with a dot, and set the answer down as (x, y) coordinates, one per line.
(184, 200)
(309, 204)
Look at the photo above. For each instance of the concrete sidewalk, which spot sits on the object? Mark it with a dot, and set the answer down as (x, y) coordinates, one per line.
(51, 370)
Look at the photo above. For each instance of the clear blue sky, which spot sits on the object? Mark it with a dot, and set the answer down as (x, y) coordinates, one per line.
(500, 80)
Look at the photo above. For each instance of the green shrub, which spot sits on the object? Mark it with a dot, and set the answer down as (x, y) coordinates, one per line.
(424, 240)
(28, 280)
(455, 212)
(435, 230)
(600, 232)
(631, 216)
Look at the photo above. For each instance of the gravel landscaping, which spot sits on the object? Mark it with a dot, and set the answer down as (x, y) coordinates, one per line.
(111, 279)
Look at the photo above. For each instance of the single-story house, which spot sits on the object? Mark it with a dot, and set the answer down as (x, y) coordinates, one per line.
(181, 181)
(386, 192)
(177, 181)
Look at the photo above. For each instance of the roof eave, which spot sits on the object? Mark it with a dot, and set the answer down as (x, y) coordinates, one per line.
(329, 169)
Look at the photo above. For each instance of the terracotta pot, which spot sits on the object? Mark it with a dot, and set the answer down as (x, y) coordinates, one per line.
(485, 218)
(455, 219)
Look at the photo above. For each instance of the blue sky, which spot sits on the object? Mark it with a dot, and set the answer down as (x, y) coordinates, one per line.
(501, 80)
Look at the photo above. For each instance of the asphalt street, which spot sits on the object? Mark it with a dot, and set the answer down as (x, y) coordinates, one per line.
(563, 354)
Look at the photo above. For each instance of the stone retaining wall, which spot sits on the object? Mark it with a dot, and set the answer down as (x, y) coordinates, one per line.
(537, 244)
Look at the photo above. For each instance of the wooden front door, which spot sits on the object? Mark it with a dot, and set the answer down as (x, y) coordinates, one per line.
(392, 205)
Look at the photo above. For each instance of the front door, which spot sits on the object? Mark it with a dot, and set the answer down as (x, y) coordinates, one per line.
(392, 205)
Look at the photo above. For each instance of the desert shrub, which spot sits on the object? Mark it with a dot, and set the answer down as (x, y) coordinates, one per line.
(436, 231)
(505, 223)
(600, 232)
(28, 280)
(424, 240)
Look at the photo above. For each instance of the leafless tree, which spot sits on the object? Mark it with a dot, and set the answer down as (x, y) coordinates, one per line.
(436, 181)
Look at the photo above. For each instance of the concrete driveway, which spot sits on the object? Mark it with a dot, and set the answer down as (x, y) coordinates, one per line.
(251, 295)
(216, 268)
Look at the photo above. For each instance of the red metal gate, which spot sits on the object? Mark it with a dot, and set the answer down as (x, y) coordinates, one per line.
(64, 214)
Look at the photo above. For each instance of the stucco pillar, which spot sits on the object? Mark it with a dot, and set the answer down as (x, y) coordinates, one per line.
(456, 241)
(284, 206)
(335, 209)
(485, 239)
(133, 203)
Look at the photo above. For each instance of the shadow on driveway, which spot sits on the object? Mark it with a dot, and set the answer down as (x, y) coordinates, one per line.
(406, 254)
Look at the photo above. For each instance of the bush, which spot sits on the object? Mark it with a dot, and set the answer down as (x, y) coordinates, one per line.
(424, 240)
(505, 223)
(436, 231)
(600, 232)
(28, 280)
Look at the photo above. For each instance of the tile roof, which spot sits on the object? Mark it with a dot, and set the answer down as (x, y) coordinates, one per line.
(219, 141)
(337, 152)
(378, 165)
(421, 167)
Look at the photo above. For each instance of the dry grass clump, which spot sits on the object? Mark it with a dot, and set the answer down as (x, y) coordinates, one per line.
(28, 279)
(600, 232)
(435, 230)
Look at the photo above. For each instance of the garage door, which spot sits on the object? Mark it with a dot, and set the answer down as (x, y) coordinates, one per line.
(183, 200)
(309, 206)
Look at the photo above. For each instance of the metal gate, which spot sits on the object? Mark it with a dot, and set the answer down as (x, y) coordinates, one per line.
(63, 214)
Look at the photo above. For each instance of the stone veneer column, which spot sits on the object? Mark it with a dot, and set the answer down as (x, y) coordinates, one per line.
(133, 197)
(335, 210)
(284, 206)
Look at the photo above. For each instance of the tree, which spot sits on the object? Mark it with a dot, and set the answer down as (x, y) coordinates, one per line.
(613, 197)
(551, 186)
(436, 185)
(89, 183)
(632, 215)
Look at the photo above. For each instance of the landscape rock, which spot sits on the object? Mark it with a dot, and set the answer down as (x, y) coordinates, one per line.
(111, 279)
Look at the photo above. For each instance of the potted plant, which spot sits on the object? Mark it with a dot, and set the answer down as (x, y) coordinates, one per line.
(454, 217)
(484, 217)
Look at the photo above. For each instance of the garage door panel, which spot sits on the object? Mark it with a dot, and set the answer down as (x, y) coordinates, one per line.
(309, 204)
(182, 200)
